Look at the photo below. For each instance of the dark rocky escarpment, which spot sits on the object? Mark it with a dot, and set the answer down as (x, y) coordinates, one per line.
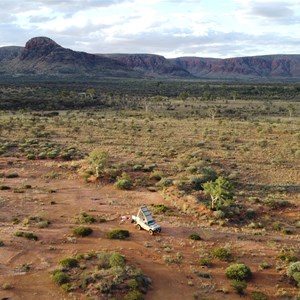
(44, 57)
(270, 66)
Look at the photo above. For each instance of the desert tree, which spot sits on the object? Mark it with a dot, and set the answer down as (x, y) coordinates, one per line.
(234, 95)
(291, 110)
(212, 112)
(219, 190)
(98, 159)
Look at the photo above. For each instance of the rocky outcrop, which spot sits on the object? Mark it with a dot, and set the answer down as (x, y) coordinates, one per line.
(151, 65)
(269, 67)
(42, 56)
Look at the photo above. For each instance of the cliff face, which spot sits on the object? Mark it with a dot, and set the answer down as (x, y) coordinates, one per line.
(43, 57)
(272, 66)
(151, 64)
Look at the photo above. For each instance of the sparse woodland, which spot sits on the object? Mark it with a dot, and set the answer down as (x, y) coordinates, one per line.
(218, 166)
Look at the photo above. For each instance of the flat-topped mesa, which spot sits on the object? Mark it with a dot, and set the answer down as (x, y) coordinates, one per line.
(38, 46)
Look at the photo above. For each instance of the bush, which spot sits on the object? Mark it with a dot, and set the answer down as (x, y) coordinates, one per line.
(85, 218)
(1, 243)
(238, 272)
(288, 257)
(156, 175)
(27, 235)
(164, 182)
(197, 181)
(195, 237)
(134, 295)
(6, 286)
(259, 296)
(219, 214)
(160, 208)
(82, 231)
(59, 277)
(117, 260)
(119, 234)
(205, 261)
(4, 187)
(222, 254)
(239, 286)
(251, 213)
(124, 182)
(12, 175)
(69, 263)
(276, 204)
(293, 272)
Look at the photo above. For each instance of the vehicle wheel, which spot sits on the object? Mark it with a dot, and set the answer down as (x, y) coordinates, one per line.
(159, 230)
(151, 232)
(138, 226)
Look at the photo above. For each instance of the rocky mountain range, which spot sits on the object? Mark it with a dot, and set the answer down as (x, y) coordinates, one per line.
(42, 57)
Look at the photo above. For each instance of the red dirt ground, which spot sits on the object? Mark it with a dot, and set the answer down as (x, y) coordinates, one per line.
(72, 196)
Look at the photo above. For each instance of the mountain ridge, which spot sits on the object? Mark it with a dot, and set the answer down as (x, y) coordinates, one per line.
(42, 56)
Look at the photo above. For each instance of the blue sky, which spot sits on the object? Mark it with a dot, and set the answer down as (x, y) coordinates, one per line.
(172, 28)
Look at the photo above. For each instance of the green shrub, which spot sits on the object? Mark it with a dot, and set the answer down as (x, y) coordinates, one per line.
(195, 237)
(219, 214)
(276, 226)
(276, 204)
(264, 265)
(160, 208)
(239, 286)
(27, 186)
(263, 143)
(197, 181)
(288, 257)
(238, 272)
(43, 224)
(132, 284)
(27, 235)
(293, 272)
(258, 296)
(134, 295)
(205, 261)
(4, 187)
(7, 286)
(103, 260)
(124, 182)
(149, 168)
(85, 218)
(117, 260)
(1, 243)
(222, 254)
(156, 175)
(82, 231)
(12, 175)
(164, 182)
(251, 213)
(69, 263)
(119, 234)
(287, 230)
(59, 277)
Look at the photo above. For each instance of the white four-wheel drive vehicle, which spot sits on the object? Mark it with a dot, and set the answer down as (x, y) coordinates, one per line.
(144, 220)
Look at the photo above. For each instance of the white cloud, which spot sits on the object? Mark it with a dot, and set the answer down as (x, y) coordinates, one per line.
(219, 28)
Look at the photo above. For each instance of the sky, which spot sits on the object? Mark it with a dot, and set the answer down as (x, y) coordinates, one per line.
(172, 28)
